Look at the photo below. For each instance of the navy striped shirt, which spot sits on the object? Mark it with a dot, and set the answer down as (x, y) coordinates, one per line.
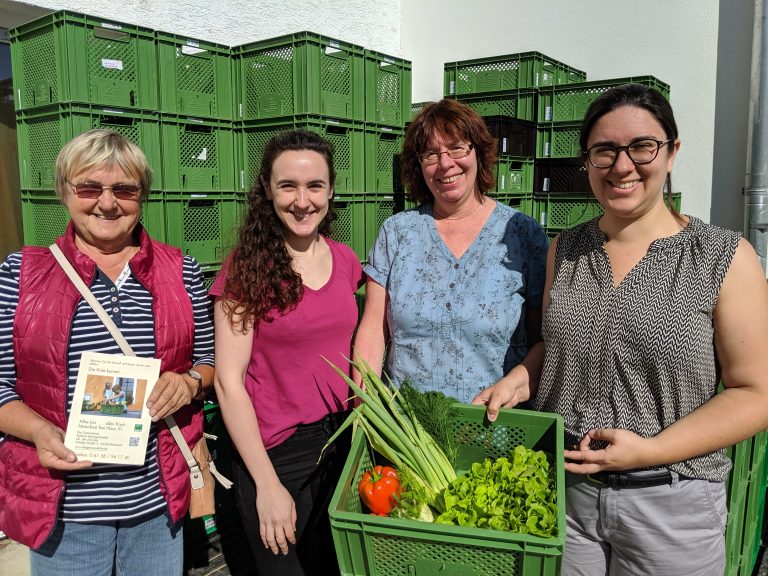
(107, 492)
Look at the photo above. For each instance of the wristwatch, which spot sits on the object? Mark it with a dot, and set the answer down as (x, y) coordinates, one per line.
(197, 376)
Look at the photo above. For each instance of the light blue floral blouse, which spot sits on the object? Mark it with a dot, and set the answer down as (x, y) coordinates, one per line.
(458, 325)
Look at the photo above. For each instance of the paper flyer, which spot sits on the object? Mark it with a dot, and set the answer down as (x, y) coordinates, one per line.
(109, 421)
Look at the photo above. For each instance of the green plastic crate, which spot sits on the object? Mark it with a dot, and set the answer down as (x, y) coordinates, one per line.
(301, 73)
(514, 176)
(416, 108)
(44, 217)
(387, 89)
(378, 208)
(203, 225)
(561, 176)
(737, 488)
(755, 504)
(350, 226)
(519, 104)
(42, 132)
(198, 154)
(347, 137)
(195, 77)
(569, 103)
(523, 70)
(381, 546)
(382, 159)
(67, 56)
(210, 272)
(558, 140)
(557, 212)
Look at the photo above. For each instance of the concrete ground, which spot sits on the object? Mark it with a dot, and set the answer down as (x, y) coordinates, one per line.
(14, 559)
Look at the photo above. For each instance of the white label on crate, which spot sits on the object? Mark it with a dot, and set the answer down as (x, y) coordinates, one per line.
(543, 218)
(111, 26)
(18, 91)
(242, 178)
(536, 79)
(503, 180)
(112, 111)
(548, 113)
(546, 148)
(331, 121)
(333, 44)
(386, 129)
(504, 145)
(191, 50)
(194, 43)
(452, 89)
(203, 156)
(545, 185)
(199, 195)
(387, 61)
(113, 64)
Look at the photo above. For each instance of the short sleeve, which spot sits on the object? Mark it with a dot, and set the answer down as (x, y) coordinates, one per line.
(381, 254)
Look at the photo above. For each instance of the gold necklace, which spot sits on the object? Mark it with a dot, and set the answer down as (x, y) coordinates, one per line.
(441, 217)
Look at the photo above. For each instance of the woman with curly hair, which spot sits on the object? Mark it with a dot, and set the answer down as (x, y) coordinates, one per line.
(455, 285)
(284, 304)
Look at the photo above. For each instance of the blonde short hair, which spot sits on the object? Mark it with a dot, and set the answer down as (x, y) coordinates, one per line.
(102, 148)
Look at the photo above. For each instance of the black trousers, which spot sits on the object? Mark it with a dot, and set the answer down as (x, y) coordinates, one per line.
(311, 484)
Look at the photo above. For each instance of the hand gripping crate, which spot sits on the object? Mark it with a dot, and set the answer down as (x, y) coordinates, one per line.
(382, 158)
(45, 218)
(347, 137)
(302, 73)
(198, 154)
(203, 225)
(523, 70)
(42, 132)
(66, 57)
(387, 89)
(520, 104)
(195, 77)
(381, 546)
(569, 102)
(514, 176)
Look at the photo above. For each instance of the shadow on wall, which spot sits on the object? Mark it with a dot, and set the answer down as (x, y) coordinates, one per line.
(734, 41)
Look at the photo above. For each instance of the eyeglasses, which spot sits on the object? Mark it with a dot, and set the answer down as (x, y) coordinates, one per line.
(92, 190)
(455, 152)
(640, 152)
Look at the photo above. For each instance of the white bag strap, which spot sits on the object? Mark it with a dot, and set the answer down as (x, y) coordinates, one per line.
(195, 474)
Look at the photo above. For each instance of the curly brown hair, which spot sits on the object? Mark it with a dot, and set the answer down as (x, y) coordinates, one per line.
(259, 274)
(450, 119)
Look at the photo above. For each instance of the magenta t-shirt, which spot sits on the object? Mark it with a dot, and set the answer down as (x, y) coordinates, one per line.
(287, 379)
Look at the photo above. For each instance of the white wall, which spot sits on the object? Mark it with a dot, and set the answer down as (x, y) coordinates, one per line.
(676, 41)
(374, 24)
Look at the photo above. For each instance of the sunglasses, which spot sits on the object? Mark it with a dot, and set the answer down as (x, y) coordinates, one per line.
(92, 191)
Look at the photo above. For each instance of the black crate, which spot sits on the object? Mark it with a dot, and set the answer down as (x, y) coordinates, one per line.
(516, 137)
(561, 175)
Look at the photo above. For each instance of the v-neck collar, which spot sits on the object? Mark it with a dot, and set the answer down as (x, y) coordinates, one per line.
(471, 248)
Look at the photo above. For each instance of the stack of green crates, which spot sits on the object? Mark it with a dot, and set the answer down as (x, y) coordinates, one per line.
(356, 98)
(505, 91)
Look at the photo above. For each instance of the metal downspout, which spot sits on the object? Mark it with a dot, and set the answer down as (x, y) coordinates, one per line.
(756, 189)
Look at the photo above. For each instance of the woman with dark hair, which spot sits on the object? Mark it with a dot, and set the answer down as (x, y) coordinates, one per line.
(644, 311)
(455, 285)
(285, 304)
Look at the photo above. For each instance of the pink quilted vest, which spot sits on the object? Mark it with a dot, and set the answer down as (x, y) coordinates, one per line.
(30, 494)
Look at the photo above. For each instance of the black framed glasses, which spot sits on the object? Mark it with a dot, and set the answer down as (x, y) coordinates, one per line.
(455, 152)
(92, 190)
(640, 152)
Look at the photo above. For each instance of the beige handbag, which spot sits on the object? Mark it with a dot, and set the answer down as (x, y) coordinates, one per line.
(202, 470)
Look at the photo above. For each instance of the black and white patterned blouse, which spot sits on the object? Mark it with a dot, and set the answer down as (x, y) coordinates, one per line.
(639, 356)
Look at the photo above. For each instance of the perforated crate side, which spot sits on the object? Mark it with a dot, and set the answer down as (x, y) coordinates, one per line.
(558, 140)
(755, 504)
(203, 225)
(513, 176)
(198, 154)
(67, 56)
(153, 216)
(522, 70)
(350, 225)
(347, 138)
(378, 208)
(44, 218)
(42, 132)
(382, 159)
(210, 272)
(195, 77)
(561, 176)
(302, 73)
(557, 212)
(519, 104)
(570, 102)
(375, 546)
(387, 89)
